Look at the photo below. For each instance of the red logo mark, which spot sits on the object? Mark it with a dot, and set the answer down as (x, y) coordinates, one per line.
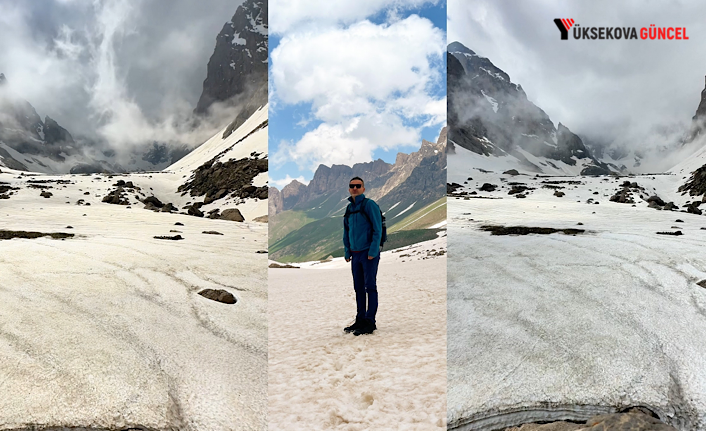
(568, 22)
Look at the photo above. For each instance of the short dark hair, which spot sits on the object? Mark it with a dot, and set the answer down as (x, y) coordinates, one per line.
(357, 178)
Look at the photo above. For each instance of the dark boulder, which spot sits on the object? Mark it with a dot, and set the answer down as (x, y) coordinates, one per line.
(232, 214)
(218, 295)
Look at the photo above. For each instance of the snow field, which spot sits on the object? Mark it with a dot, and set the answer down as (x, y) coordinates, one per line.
(115, 312)
(550, 327)
(322, 378)
(106, 330)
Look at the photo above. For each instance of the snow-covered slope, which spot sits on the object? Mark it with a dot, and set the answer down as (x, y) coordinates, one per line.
(250, 138)
(115, 311)
(691, 163)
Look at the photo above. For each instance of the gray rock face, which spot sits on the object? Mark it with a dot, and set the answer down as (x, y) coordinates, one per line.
(239, 62)
(425, 183)
(698, 121)
(87, 168)
(275, 203)
(490, 115)
(54, 134)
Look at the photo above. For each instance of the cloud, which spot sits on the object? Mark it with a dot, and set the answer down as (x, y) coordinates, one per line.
(284, 181)
(122, 73)
(630, 90)
(289, 15)
(372, 85)
(346, 143)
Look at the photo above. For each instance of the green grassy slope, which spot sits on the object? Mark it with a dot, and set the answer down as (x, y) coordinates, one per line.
(422, 218)
(285, 222)
(320, 238)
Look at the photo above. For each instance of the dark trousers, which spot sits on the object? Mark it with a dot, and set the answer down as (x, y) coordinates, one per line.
(364, 274)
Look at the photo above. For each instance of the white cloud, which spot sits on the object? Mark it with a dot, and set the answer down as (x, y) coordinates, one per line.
(346, 143)
(338, 69)
(65, 44)
(366, 82)
(287, 15)
(33, 71)
(284, 181)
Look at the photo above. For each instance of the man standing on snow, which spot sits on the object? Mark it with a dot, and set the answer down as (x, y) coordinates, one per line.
(362, 234)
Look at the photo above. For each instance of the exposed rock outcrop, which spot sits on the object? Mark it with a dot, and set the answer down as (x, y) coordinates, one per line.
(238, 65)
(490, 115)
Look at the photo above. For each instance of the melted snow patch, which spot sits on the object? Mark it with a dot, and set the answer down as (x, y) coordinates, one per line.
(438, 225)
(405, 210)
(391, 208)
(237, 40)
(490, 100)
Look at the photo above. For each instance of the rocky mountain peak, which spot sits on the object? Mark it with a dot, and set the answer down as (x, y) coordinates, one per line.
(238, 66)
(55, 134)
(443, 135)
(292, 189)
(459, 47)
(476, 65)
(490, 115)
(3, 80)
(401, 158)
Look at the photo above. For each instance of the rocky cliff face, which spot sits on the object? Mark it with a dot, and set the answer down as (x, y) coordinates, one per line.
(275, 203)
(238, 66)
(405, 164)
(291, 194)
(426, 180)
(490, 115)
(698, 121)
(337, 176)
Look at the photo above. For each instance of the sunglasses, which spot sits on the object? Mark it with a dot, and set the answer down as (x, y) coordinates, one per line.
(354, 186)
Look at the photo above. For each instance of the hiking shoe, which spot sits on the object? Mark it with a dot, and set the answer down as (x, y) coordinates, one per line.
(367, 326)
(354, 326)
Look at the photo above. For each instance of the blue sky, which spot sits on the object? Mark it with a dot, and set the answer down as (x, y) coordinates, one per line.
(363, 85)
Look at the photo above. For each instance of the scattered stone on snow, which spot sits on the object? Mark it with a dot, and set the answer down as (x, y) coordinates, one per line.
(524, 230)
(173, 238)
(218, 295)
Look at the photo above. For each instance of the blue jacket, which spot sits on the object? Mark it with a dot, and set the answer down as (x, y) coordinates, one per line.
(358, 233)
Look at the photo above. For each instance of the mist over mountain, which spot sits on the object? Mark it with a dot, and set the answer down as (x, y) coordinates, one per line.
(491, 115)
(125, 140)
